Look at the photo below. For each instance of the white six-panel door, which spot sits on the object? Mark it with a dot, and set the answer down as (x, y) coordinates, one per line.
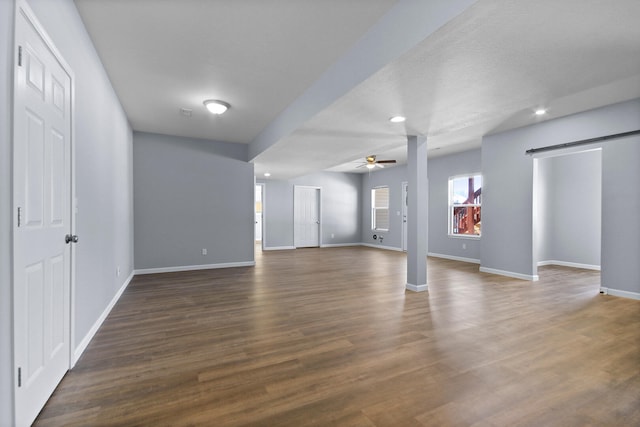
(405, 201)
(41, 199)
(259, 211)
(306, 217)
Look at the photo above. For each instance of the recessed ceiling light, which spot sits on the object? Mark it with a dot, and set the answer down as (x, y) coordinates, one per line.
(541, 112)
(267, 174)
(397, 119)
(216, 107)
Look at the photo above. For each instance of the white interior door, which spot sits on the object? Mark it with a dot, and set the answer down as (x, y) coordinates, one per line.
(259, 206)
(306, 217)
(405, 201)
(41, 199)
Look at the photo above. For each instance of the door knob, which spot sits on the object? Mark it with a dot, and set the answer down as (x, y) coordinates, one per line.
(71, 238)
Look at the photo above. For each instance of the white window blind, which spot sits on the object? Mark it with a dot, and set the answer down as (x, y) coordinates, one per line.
(380, 208)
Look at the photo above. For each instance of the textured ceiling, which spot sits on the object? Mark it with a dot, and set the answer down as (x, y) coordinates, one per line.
(258, 55)
(485, 70)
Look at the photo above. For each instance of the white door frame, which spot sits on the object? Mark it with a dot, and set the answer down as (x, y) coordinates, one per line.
(319, 212)
(22, 8)
(405, 184)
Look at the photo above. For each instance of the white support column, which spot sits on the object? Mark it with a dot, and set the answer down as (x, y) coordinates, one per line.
(417, 225)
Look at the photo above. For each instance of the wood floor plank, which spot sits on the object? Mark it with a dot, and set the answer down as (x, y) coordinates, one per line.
(330, 337)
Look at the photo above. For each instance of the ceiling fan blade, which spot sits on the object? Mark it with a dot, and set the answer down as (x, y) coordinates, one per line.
(379, 165)
(361, 166)
(386, 161)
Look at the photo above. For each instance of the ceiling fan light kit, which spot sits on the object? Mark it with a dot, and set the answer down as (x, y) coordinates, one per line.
(371, 162)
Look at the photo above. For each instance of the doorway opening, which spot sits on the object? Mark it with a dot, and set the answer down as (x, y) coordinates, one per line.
(567, 207)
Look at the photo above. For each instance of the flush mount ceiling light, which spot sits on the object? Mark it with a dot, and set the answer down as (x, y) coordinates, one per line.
(397, 119)
(216, 107)
(541, 112)
(267, 174)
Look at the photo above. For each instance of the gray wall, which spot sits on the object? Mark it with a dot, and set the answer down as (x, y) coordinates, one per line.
(6, 316)
(340, 208)
(507, 241)
(440, 170)
(570, 219)
(543, 209)
(191, 194)
(620, 206)
(103, 178)
(393, 178)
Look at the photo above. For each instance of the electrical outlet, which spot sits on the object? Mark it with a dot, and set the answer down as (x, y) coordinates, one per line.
(204, 251)
(333, 235)
(117, 271)
(464, 246)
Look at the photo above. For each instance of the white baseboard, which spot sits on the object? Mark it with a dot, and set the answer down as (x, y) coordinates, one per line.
(533, 278)
(389, 248)
(569, 264)
(94, 329)
(416, 288)
(194, 267)
(278, 248)
(619, 293)
(338, 245)
(454, 258)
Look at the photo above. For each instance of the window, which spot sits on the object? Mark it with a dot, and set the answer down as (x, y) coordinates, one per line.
(380, 208)
(465, 199)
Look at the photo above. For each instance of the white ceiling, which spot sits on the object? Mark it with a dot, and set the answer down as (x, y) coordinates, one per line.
(486, 70)
(258, 55)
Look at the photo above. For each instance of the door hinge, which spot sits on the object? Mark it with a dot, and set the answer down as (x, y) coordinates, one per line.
(19, 216)
(19, 377)
(19, 56)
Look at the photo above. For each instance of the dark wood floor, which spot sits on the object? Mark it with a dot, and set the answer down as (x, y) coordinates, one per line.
(330, 337)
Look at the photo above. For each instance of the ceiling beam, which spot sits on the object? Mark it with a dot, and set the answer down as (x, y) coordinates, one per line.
(406, 24)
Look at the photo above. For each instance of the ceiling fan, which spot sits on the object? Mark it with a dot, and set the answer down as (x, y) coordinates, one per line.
(371, 162)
